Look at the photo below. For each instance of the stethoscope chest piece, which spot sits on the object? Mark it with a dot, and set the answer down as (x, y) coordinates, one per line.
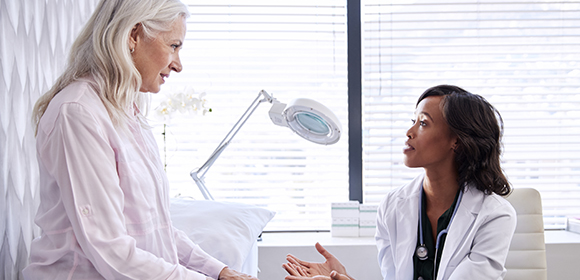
(421, 252)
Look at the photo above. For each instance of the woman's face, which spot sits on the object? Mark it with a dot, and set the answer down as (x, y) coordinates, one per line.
(156, 57)
(430, 140)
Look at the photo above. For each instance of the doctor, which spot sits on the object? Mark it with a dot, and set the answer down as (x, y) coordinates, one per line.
(450, 222)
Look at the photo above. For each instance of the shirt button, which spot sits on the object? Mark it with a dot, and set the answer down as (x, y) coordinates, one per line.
(420, 278)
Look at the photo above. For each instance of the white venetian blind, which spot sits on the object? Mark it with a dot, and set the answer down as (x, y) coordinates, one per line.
(234, 49)
(522, 56)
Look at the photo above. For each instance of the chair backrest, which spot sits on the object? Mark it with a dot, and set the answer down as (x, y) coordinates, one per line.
(527, 254)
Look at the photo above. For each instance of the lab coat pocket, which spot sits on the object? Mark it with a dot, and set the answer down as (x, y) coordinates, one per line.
(447, 271)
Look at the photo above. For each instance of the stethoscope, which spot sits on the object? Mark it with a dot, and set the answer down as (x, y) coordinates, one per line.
(421, 251)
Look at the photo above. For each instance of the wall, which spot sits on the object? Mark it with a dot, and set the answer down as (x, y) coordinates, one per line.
(35, 38)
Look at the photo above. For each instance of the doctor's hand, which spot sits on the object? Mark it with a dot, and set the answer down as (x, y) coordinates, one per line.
(230, 274)
(299, 268)
(333, 276)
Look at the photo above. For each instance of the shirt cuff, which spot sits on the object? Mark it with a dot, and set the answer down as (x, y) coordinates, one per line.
(214, 268)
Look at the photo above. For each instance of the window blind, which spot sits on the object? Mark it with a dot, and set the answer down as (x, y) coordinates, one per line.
(232, 50)
(522, 56)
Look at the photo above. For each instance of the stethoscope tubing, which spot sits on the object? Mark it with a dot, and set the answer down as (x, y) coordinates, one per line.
(445, 231)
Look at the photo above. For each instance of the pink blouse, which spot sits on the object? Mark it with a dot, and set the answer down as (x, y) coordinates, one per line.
(104, 204)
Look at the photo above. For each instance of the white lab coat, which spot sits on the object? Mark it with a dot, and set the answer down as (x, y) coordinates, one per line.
(476, 246)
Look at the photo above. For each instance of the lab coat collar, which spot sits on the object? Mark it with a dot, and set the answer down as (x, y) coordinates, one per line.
(464, 218)
(407, 219)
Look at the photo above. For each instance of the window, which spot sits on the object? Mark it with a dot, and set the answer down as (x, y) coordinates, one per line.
(233, 50)
(522, 56)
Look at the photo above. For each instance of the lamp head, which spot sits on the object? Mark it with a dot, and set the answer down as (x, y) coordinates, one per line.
(309, 119)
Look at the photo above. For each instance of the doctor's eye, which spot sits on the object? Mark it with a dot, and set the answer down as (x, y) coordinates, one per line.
(413, 121)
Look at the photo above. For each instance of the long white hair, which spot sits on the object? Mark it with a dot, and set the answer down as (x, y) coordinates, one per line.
(102, 50)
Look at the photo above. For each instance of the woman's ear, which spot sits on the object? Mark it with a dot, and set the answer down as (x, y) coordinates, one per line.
(134, 36)
(456, 145)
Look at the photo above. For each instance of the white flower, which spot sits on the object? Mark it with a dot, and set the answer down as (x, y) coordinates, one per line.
(185, 101)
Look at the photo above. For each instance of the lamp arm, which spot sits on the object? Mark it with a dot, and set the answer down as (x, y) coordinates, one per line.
(199, 174)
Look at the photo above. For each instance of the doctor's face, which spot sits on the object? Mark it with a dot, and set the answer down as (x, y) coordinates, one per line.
(430, 140)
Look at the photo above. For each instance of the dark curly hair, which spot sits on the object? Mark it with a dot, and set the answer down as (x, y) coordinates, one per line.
(479, 128)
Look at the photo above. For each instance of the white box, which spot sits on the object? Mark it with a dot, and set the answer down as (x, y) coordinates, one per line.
(348, 209)
(367, 228)
(573, 225)
(368, 212)
(345, 227)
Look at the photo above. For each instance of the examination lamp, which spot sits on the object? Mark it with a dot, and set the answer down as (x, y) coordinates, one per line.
(308, 118)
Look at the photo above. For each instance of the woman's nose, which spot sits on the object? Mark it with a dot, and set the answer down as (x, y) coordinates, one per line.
(410, 132)
(176, 65)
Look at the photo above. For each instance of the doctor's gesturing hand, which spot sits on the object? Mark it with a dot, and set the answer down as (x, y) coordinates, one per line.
(303, 270)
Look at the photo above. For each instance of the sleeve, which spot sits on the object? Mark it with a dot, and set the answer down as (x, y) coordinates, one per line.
(490, 247)
(80, 158)
(195, 258)
(383, 241)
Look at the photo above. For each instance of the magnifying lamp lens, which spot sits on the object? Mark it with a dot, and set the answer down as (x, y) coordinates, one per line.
(313, 123)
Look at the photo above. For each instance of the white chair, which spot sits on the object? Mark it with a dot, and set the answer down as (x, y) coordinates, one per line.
(527, 254)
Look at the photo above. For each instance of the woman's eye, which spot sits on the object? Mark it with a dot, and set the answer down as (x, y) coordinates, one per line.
(422, 123)
(413, 121)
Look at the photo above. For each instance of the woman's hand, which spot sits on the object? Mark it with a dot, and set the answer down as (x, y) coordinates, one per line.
(230, 274)
(333, 276)
(299, 269)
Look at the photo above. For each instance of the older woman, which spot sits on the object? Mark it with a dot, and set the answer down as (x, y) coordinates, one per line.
(104, 209)
(451, 221)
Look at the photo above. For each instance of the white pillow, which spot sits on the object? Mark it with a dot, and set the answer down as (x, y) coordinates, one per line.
(225, 230)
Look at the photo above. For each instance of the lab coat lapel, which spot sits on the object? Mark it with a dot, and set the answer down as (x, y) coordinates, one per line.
(407, 219)
(460, 226)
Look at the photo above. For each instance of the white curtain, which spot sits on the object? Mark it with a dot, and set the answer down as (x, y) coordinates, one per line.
(35, 39)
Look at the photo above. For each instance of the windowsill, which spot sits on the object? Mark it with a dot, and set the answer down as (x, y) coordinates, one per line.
(285, 239)
(299, 239)
(561, 237)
